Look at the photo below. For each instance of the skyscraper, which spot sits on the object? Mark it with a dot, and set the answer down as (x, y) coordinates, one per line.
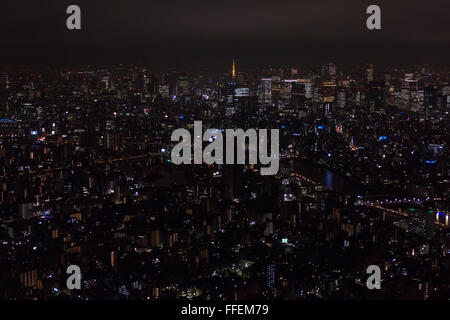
(233, 73)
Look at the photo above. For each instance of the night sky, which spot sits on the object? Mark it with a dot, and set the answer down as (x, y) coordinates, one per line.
(189, 32)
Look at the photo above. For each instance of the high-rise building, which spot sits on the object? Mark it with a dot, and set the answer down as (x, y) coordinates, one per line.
(270, 276)
(332, 70)
(265, 92)
(370, 71)
(233, 72)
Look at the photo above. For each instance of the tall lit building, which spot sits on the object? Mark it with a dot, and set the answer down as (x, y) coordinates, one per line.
(369, 73)
(265, 92)
(270, 275)
(233, 73)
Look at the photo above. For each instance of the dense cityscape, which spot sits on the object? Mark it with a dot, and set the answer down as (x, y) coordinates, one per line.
(86, 179)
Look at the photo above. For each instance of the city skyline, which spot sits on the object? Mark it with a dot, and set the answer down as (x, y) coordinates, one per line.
(88, 180)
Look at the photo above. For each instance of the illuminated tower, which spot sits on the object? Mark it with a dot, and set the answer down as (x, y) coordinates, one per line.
(6, 81)
(234, 70)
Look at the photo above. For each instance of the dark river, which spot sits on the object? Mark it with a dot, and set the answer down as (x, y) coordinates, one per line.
(329, 179)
